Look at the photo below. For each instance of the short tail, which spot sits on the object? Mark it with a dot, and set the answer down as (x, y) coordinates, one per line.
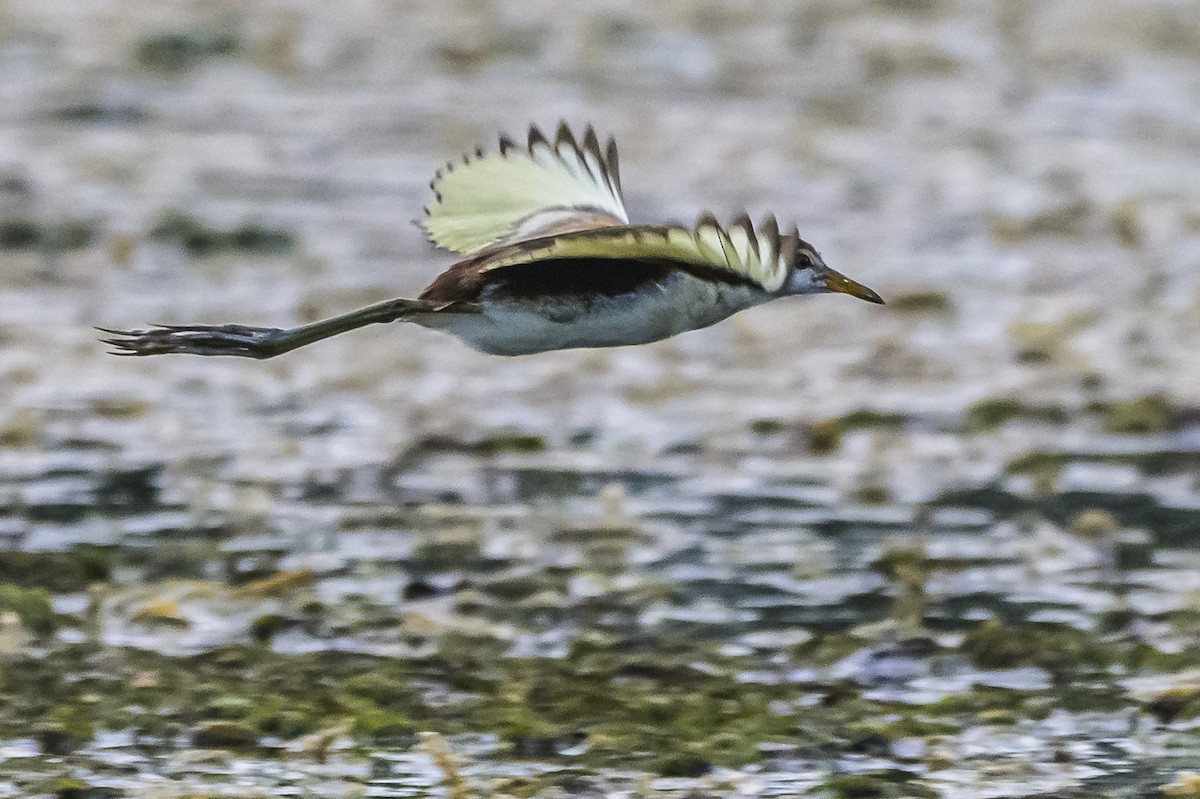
(254, 342)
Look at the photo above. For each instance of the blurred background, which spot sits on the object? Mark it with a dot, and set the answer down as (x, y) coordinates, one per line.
(946, 546)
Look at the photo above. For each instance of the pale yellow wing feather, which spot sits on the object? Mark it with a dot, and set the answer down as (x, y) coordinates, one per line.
(760, 256)
(493, 199)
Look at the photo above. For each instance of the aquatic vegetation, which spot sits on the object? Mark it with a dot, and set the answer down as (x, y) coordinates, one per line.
(1127, 224)
(161, 612)
(1095, 525)
(28, 234)
(73, 570)
(1040, 464)
(767, 427)
(868, 419)
(927, 302)
(988, 414)
(92, 112)
(450, 765)
(1057, 648)
(199, 239)
(1047, 342)
(224, 735)
(883, 784)
(172, 559)
(1186, 784)
(1068, 219)
(1149, 414)
(173, 52)
(873, 495)
(824, 435)
(32, 606)
(514, 441)
(277, 584)
(1176, 703)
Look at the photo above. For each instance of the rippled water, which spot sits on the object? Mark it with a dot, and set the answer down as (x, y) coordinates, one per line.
(943, 547)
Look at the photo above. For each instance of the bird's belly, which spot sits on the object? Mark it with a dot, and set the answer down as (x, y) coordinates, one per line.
(507, 327)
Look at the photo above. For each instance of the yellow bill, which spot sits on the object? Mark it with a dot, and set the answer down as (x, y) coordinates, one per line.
(837, 282)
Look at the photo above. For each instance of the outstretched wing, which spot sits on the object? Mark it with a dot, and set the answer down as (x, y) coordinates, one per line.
(738, 252)
(493, 199)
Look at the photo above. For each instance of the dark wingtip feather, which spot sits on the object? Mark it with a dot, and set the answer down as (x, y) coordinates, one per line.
(563, 135)
(591, 144)
(614, 165)
(536, 138)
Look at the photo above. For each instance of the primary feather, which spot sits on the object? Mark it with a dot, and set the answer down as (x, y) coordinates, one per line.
(492, 199)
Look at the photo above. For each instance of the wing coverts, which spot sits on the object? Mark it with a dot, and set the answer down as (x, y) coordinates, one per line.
(762, 256)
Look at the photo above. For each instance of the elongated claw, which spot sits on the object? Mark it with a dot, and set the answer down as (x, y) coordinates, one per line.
(239, 340)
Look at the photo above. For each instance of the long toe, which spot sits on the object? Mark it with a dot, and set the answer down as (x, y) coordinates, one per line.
(236, 340)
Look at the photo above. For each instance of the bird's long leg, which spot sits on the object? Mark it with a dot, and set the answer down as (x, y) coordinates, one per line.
(254, 342)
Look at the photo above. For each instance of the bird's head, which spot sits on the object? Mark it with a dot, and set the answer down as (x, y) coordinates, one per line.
(810, 275)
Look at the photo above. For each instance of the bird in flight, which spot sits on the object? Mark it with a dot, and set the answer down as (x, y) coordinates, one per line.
(550, 261)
